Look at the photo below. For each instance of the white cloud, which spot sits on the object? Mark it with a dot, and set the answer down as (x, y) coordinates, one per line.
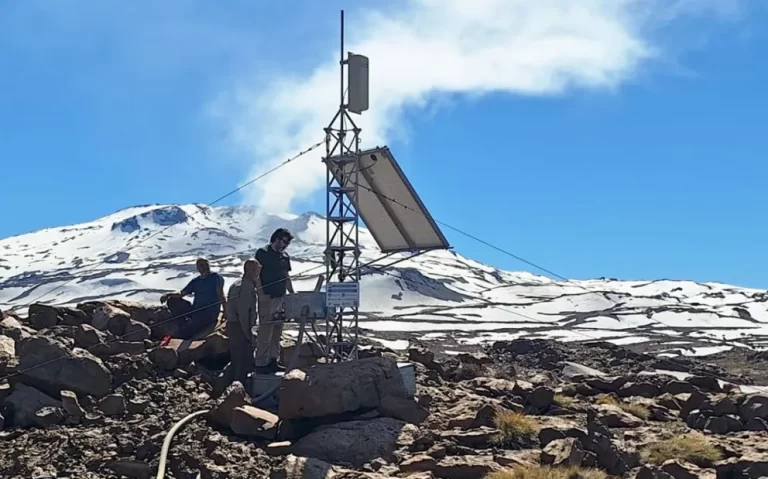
(434, 47)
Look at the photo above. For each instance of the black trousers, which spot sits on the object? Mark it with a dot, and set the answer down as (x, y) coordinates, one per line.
(191, 323)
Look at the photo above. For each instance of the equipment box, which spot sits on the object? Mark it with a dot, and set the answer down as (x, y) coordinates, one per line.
(313, 300)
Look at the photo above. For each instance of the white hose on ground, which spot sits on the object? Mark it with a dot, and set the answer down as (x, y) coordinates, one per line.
(184, 420)
(169, 436)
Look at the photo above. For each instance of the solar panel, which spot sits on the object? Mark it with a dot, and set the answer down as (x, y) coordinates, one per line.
(387, 203)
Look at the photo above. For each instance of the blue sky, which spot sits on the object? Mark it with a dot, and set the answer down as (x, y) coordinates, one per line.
(596, 138)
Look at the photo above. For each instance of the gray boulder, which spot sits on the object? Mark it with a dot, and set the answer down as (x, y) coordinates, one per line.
(50, 366)
(356, 442)
(24, 403)
(7, 350)
(14, 329)
(43, 316)
(339, 388)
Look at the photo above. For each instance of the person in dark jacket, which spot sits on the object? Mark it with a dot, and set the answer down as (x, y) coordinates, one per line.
(275, 282)
(209, 300)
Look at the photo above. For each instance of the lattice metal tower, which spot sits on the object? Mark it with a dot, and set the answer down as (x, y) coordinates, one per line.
(342, 254)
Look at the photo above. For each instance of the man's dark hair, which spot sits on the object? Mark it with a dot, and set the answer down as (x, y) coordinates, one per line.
(281, 233)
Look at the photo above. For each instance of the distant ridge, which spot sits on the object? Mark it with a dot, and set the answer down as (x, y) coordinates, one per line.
(137, 253)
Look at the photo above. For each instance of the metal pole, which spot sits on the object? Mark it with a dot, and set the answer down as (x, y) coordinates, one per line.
(341, 72)
(342, 140)
(342, 136)
(356, 252)
(329, 254)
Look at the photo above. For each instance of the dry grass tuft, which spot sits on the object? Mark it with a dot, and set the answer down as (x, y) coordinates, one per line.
(514, 427)
(546, 472)
(607, 399)
(694, 448)
(563, 401)
(637, 410)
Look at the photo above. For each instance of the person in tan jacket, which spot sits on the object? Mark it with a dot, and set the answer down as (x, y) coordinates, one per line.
(242, 314)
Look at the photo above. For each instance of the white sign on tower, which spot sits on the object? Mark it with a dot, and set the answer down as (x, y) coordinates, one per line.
(343, 295)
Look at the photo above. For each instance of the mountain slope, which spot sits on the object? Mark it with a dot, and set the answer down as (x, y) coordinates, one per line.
(139, 253)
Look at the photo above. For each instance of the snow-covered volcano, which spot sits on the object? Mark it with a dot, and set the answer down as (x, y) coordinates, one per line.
(140, 253)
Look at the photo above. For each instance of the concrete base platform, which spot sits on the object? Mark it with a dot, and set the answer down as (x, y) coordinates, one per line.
(259, 384)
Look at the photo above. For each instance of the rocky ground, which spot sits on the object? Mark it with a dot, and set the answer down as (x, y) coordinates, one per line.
(89, 392)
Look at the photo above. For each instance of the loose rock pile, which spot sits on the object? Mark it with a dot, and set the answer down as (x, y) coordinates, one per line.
(91, 394)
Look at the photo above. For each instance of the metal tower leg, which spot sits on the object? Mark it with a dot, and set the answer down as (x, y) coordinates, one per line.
(342, 253)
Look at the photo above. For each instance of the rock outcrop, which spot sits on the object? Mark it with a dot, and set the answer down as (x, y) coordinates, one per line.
(89, 392)
(51, 366)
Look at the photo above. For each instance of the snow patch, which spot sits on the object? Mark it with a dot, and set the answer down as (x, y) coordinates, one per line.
(139, 253)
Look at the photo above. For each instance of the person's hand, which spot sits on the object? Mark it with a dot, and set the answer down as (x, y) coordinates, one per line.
(164, 298)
